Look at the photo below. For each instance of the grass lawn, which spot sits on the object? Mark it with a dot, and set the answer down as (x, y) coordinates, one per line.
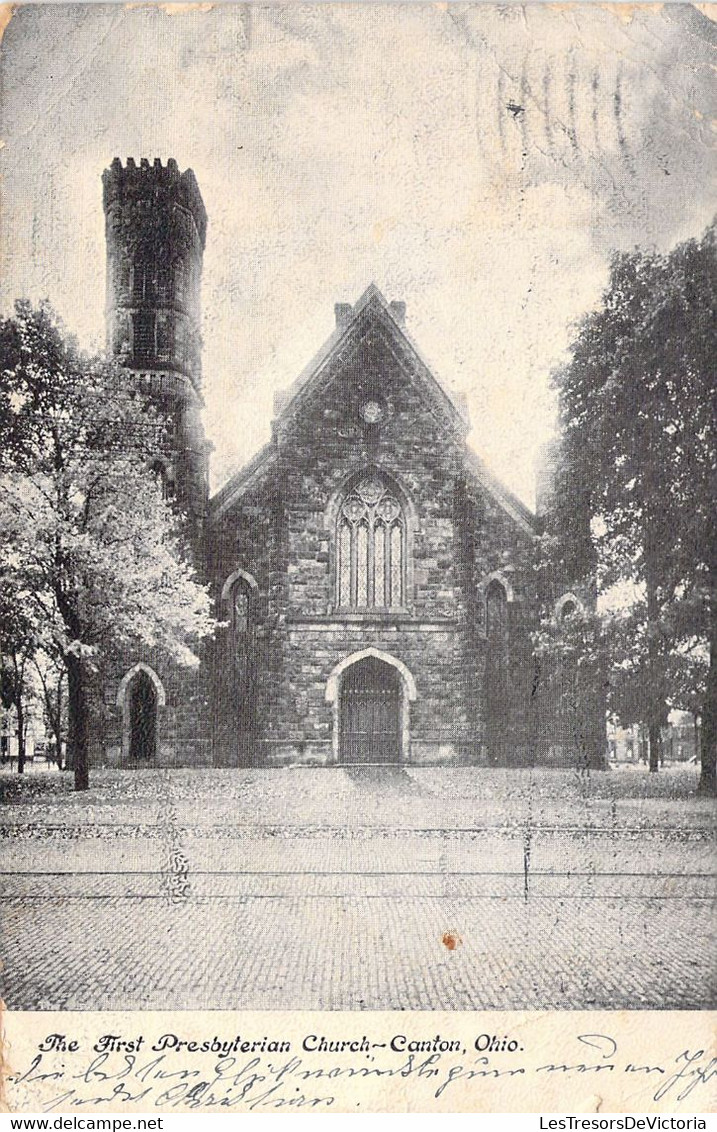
(627, 797)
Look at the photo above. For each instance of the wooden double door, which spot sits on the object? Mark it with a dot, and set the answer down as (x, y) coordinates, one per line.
(370, 713)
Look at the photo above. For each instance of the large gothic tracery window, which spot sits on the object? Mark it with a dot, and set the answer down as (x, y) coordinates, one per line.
(371, 548)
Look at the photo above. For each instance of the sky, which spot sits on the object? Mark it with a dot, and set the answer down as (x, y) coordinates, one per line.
(481, 163)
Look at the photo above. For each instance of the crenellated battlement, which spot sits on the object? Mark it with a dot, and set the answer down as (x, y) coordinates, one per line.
(128, 183)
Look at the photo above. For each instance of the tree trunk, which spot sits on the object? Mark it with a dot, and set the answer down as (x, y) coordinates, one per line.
(20, 734)
(708, 746)
(20, 712)
(57, 727)
(696, 735)
(654, 734)
(78, 729)
(654, 668)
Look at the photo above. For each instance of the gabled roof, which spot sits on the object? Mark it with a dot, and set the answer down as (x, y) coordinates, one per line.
(242, 480)
(510, 503)
(372, 303)
(350, 322)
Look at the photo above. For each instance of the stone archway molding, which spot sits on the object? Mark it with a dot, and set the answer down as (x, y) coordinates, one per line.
(332, 684)
(563, 601)
(498, 576)
(245, 576)
(129, 677)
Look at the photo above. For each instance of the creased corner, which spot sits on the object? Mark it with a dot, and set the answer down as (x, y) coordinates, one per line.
(7, 11)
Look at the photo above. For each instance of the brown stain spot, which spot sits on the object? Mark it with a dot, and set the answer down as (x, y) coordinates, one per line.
(451, 940)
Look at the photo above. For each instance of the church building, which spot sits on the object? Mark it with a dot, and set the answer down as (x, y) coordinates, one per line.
(377, 582)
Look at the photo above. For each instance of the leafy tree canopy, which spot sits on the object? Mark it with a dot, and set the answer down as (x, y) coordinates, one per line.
(88, 540)
(637, 476)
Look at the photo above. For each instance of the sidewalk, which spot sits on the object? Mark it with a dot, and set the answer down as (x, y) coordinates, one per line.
(328, 889)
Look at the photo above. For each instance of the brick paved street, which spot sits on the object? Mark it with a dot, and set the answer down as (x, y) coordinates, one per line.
(219, 889)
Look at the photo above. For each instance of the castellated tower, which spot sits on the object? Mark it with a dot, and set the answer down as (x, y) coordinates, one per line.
(155, 225)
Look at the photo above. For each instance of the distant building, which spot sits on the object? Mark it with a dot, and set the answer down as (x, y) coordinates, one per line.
(377, 581)
(679, 741)
(9, 741)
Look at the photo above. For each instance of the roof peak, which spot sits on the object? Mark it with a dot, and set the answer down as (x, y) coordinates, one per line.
(346, 312)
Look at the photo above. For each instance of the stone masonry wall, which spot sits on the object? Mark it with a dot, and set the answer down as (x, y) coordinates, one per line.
(282, 532)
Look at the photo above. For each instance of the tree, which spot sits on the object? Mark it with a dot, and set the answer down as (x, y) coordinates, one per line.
(19, 641)
(639, 452)
(88, 536)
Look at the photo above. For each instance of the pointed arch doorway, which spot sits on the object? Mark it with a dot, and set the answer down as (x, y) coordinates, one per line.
(371, 691)
(142, 718)
(140, 696)
(370, 713)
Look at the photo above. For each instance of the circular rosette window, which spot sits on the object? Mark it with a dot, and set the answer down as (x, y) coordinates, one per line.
(372, 411)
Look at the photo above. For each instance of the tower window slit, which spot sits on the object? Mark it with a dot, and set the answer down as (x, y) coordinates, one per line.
(144, 345)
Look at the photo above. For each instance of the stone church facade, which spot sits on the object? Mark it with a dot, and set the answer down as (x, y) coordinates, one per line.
(376, 581)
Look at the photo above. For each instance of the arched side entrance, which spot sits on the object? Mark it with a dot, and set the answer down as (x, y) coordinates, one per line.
(140, 696)
(371, 692)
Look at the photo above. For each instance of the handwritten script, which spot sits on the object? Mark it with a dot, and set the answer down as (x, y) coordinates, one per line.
(164, 1075)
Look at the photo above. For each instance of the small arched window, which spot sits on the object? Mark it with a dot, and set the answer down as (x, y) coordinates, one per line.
(569, 609)
(371, 548)
(241, 629)
(240, 612)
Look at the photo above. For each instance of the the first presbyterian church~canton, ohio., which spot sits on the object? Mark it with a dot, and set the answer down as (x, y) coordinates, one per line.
(376, 583)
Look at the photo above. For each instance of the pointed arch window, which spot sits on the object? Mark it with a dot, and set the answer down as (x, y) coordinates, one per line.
(371, 548)
(241, 622)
